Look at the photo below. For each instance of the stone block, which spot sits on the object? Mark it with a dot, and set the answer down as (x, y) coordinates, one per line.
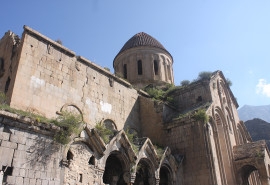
(51, 183)
(31, 174)
(22, 172)
(17, 139)
(6, 156)
(37, 174)
(56, 182)
(22, 147)
(26, 181)
(45, 182)
(32, 182)
(38, 182)
(19, 154)
(19, 180)
(43, 175)
(8, 144)
(11, 179)
(4, 136)
(19, 162)
(16, 171)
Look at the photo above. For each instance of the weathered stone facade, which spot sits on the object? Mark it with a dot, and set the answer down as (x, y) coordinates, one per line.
(173, 145)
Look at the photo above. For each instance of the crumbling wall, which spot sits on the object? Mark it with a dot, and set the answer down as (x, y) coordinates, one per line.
(192, 96)
(50, 78)
(186, 138)
(28, 153)
(9, 54)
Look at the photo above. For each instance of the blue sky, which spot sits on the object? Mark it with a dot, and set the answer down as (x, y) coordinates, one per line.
(201, 35)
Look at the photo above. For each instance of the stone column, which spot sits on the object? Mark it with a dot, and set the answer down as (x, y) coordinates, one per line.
(157, 181)
(1, 177)
(132, 178)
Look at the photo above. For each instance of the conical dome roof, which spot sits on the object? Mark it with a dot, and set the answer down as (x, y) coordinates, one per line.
(141, 39)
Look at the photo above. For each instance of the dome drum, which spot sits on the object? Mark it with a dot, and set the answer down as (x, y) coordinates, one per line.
(143, 61)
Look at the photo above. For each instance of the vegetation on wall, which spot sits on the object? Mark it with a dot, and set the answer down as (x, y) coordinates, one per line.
(131, 137)
(70, 124)
(160, 151)
(184, 82)
(103, 132)
(160, 93)
(200, 115)
(204, 75)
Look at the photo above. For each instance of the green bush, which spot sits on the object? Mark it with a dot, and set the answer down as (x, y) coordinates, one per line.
(103, 132)
(201, 115)
(160, 151)
(185, 82)
(70, 123)
(131, 137)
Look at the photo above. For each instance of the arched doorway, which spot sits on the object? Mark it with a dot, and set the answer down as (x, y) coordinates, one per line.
(144, 175)
(249, 174)
(114, 170)
(165, 176)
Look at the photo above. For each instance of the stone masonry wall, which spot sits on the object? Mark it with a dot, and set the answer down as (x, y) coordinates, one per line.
(9, 52)
(187, 138)
(28, 155)
(192, 96)
(151, 120)
(51, 77)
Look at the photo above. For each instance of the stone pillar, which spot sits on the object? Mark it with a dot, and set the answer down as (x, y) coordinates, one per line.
(157, 181)
(1, 177)
(132, 178)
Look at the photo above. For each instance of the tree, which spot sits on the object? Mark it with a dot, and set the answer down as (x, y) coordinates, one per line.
(185, 82)
(229, 82)
(204, 75)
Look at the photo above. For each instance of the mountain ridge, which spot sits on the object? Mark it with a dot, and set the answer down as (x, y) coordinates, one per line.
(249, 112)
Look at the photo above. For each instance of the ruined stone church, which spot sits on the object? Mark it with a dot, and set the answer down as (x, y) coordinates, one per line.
(191, 135)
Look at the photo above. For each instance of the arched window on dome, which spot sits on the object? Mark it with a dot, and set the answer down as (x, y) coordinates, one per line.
(139, 63)
(125, 71)
(169, 72)
(156, 67)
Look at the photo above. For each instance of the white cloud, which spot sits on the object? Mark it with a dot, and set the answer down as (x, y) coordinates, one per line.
(263, 87)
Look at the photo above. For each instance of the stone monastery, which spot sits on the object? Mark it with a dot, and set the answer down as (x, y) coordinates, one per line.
(189, 135)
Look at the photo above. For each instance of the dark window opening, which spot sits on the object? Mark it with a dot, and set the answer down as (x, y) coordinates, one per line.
(92, 160)
(140, 67)
(1, 63)
(7, 85)
(156, 67)
(80, 178)
(70, 155)
(7, 172)
(2, 70)
(125, 71)
(199, 99)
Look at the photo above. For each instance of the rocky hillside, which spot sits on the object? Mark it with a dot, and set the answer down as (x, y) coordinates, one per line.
(259, 129)
(248, 112)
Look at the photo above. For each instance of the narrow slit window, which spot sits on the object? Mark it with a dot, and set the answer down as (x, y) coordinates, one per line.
(125, 71)
(156, 67)
(7, 85)
(80, 177)
(140, 67)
